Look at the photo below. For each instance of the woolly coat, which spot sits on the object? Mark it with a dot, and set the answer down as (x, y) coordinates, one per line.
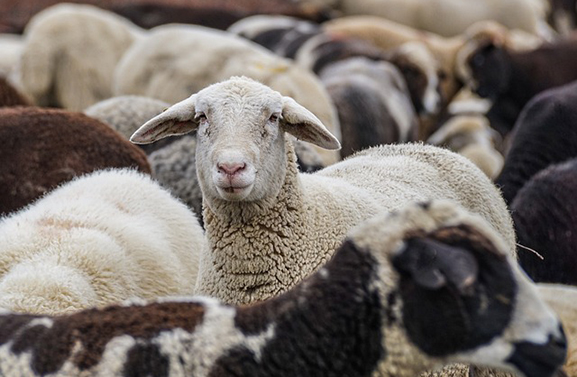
(158, 67)
(366, 313)
(286, 238)
(10, 96)
(42, 148)
(126, 113)
(545, 221)
(93, 242)
(545, 133)
(69, 55)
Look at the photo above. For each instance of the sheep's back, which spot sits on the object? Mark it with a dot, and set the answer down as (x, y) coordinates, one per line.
(43, 148)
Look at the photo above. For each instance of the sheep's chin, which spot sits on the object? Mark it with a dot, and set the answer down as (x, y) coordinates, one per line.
(234, 194)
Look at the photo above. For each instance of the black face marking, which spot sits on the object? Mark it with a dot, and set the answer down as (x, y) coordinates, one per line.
(314, 333)
(442, 319)
(145, 360)
(536, 360)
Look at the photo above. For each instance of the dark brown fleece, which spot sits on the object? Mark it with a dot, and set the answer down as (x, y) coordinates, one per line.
(10, 96)
(545, 218)
(51, 347)
(42, 148)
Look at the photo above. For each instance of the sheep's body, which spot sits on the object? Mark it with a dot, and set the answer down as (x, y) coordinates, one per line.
(70, 53)
(452, 17)
(544, 134)
(260, 245)
(126, 113)
(545, 221)
(93, 242)
(472, 137)
(361, 315)
(158, 67)
(373, 103)
(42, 148)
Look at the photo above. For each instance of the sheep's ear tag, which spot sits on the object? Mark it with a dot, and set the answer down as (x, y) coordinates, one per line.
(432, 264)
(305, 126)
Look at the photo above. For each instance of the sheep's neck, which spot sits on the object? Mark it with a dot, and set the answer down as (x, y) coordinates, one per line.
(248, 254)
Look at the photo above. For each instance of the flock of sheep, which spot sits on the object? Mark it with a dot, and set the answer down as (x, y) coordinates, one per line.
(335, 188)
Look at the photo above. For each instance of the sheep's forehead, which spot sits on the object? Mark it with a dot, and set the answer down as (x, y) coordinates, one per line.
(238, 96)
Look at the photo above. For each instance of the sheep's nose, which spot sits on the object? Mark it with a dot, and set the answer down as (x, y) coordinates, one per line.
(231, 168)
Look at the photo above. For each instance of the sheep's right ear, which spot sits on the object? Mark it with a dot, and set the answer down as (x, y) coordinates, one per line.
(178, 119)
(304, 125)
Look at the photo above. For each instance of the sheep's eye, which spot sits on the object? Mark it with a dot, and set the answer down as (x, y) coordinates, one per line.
(273, 118)
(201, 117)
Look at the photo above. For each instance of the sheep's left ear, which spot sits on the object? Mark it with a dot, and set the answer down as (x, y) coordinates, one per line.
(432, 265)
(178, 119)
(304, 125)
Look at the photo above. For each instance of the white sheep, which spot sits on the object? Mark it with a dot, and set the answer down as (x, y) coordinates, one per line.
(374, 309)
(70, 52)
(99, 239)
(175, 60)
(11, 46)
(452, 17)
(263, 218)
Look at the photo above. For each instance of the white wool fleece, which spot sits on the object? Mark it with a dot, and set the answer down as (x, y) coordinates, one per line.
(297, 233)
(99, 239)
(269, 226)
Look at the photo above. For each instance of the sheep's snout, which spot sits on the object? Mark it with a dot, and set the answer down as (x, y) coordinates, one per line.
(540, 360)
(233, 176)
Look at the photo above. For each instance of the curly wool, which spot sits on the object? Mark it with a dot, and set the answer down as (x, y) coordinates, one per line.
(174, 166)
(286, 238)
(93, 242)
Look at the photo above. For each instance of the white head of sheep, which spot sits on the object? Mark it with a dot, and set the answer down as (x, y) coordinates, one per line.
(239, 160)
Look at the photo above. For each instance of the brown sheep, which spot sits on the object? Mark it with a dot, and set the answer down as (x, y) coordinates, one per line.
(42, 148)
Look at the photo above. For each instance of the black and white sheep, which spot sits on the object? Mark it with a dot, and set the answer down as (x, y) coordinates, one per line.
(262, 217)
(42, 148)
(95, 241)
(545, 221)
(406, 291)
(471, 136)
(372, 101)
(544, 134)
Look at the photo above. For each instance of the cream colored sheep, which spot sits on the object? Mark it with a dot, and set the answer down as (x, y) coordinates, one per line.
(69, 55)
(372, 310)
(99, 239)
(472, 137)
(452, 17)
(175, 60)
(263, 218)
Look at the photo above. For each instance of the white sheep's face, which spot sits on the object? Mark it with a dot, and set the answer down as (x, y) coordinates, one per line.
(240, 125)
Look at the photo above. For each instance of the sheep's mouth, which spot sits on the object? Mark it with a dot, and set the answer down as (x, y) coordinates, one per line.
(234, 193)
